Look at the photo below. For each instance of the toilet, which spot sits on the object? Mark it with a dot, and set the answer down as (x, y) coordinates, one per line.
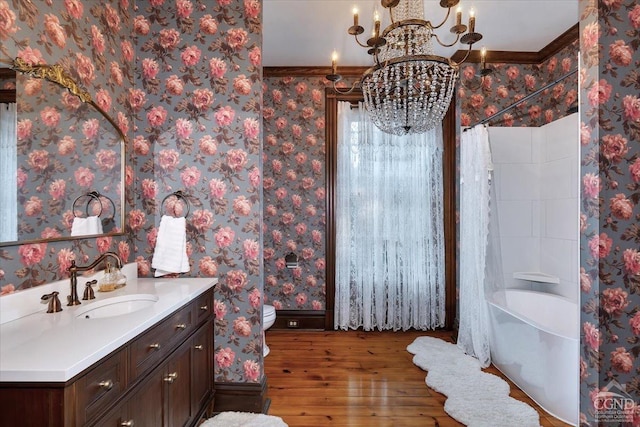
(268, 317)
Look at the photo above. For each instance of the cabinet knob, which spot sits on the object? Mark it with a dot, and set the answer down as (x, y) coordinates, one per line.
(204, 307)
(171, 377)
(155, 346)
(128, 423)
(181, 326)
(107, 384)
(198, 347)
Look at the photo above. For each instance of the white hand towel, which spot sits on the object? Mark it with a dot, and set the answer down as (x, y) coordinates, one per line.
(86, 226)
(170, 254)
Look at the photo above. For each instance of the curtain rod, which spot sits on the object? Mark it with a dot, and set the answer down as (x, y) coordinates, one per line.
(493, 116)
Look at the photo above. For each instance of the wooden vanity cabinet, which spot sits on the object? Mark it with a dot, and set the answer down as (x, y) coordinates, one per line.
(140, 384)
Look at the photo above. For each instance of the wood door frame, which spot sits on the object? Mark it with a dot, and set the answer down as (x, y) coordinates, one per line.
(449, 203)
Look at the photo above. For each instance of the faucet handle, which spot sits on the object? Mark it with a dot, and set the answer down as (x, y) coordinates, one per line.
(54, 302)
(88, 290)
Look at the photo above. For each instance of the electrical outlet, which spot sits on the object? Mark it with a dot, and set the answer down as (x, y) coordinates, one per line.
(292, 323)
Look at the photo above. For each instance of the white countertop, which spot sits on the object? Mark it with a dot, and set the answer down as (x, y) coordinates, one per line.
(36, 346)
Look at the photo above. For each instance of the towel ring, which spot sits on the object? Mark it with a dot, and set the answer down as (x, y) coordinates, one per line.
(93, 196)
(179, 195)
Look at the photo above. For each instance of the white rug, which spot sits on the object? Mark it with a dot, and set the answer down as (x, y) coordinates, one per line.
(243, 419)
(474, 398)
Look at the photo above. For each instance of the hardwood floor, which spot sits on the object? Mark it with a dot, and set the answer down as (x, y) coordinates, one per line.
(357, 379)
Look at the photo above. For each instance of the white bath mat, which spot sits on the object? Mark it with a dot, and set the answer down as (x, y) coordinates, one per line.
(243, 419)
(474, 398)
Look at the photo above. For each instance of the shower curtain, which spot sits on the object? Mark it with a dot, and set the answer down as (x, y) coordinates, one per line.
(475, 196)
(389, 227)
(8, 173)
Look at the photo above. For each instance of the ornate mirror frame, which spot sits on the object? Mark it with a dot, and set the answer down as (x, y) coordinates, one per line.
(56, 74)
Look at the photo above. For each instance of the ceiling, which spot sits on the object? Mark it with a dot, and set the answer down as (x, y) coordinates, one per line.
(306, 32)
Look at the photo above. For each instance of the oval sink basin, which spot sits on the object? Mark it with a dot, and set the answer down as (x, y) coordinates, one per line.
(117, 306)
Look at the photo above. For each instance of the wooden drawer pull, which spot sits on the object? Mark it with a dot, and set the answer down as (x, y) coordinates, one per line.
(155, 346)
(127, 423)
(198, 347)
(204, 308)
(171, 377)
(181, 326)
(108, 384)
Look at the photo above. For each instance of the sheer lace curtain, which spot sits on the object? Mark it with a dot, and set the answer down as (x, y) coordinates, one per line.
(8, 174)
(475, 194)
(389, 227)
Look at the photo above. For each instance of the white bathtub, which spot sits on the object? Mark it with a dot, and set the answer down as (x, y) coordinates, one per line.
(535, 342)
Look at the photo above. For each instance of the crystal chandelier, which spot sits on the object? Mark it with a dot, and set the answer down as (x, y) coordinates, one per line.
(408, 89)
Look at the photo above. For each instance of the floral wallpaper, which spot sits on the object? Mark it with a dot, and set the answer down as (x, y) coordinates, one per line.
(66, 149)
(294, 191)
(610, 195)
(197, 106)
(193, 120)
(479, 98)
(92, 43)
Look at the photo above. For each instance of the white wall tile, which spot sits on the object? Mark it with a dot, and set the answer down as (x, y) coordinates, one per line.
(557, 179)
(520, 182)
(561, 137)
(516, 218)
(510, 145)
(520, 254)
(561, 219)
(538, 145)
(556, 257)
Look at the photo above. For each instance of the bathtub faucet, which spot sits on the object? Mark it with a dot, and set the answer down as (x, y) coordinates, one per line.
(73, 274)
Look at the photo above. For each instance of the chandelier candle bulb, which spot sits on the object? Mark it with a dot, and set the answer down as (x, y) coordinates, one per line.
(355, 17)
(472, 21)
(459, 16)
(334, 64)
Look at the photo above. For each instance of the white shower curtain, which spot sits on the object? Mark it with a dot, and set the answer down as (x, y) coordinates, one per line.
(8, 174)
(475, 194)
(389, 227)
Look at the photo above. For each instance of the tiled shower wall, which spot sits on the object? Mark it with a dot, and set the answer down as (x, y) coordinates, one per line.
(537, 190)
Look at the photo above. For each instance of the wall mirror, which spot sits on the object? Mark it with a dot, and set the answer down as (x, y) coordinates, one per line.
(62, 164)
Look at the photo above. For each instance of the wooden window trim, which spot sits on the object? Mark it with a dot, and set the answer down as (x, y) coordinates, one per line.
(449, 191)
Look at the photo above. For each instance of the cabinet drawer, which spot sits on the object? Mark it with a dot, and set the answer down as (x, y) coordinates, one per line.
(203, 307)
(154, 345)
(102, 386)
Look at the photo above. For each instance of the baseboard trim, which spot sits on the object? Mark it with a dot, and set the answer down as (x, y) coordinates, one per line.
(310, 320)
(242, 397)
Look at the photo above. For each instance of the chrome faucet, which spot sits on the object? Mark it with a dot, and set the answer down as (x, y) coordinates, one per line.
(73, 274)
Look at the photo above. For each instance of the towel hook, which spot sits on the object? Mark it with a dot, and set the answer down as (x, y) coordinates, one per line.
(179, 195)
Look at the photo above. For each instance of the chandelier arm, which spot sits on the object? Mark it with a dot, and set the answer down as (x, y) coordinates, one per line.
(466, 55)
(443, 21)
(446, 45)
(345, 92)
(358, 41)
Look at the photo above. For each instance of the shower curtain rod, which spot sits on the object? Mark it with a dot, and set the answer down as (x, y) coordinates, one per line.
(531, 95)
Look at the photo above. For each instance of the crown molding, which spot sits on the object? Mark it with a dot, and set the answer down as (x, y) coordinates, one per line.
(492, 56)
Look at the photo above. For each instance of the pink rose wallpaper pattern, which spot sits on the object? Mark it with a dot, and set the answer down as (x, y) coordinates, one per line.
(66, 149)
(479, 98)
(193, 120)
(609, 217)
(294, 191)
(197, 107)
(58, 141)
(169, 87)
